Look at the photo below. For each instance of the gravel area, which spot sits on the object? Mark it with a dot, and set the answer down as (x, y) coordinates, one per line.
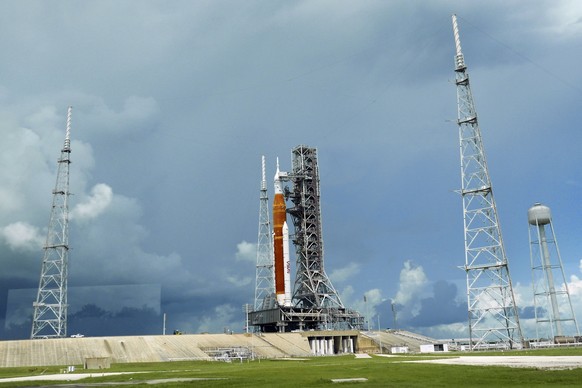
(540, 362)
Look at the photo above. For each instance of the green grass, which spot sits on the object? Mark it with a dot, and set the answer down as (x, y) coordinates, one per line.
(318, 371)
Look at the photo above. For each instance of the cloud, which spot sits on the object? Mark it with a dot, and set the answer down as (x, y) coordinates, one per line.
(414, 307)
(441, 308)
(173, 106)
(526, 313)
(138, 115)
(21, 181)
(224, 316)
(239, 281)
(342, 274)
(565, 20)
(349, 298)
(100, 199)
(246, 251)
(440, 312)
(447, 331)
(373, 296)
(575, 286)
(412, 283)
(525, 302)
(373, 300)
(22, 236)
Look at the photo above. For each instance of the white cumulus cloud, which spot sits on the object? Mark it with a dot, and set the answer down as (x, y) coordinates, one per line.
(575, 286)
(342, 274)
(22, 236)
(373, 296)
(246, 251)
(100, 199)
(412, 282)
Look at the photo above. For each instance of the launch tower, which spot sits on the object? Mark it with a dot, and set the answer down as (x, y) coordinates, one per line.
(264, 287)
(50, 308)
(553, 307)
(493, 316)
(312, 289)
(315, 304)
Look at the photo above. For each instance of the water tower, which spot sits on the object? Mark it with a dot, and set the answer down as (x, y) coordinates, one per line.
(553, 308)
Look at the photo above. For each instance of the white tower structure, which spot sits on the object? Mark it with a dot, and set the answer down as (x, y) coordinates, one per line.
(50, 309)
(265, 281)
(493, 315)
(313, 289)
(553, 308)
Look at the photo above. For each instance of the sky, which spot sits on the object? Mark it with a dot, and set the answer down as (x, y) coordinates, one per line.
(174, 103)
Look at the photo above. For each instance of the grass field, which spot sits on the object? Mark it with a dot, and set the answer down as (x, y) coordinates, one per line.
(319, 371)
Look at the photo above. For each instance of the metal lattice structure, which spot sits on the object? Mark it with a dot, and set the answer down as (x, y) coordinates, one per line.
(312, 288)
(265, 283)
(554, 314)
(315, 303)
(493, 315)
(50, 308)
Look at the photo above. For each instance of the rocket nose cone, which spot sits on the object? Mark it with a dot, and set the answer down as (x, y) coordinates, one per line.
(277, 170)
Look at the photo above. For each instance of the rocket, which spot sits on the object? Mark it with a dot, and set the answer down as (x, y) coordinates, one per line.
(281, 243)
(287, 265)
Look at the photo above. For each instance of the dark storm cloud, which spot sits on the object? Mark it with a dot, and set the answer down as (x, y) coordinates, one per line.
(440, 309)
(174, 103)
(528, 312)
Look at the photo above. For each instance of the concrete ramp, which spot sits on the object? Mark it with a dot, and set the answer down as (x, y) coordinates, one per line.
(74, 351)
(287, 344)
(391, 338)
(176, 347)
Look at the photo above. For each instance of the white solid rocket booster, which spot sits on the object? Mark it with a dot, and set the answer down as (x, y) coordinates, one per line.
(287, 264)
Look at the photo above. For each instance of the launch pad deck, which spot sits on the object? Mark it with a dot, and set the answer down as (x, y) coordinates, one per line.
(288, 319)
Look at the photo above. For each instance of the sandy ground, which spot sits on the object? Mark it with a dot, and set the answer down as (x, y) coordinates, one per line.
(540, 362)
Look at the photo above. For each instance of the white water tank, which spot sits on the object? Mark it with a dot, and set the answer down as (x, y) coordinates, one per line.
(539, 214)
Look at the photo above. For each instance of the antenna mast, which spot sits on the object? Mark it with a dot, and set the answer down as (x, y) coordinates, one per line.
(493, 314)
(50, 309)
(265, 283)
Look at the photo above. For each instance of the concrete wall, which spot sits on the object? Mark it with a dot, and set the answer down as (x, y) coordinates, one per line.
(74, 351)
(387, 339)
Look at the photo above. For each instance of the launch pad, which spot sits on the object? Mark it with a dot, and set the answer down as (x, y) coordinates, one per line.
(314, 304)
(280, 319)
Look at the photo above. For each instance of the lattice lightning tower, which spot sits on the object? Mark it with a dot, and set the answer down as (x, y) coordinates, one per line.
(265, 283)
(312, 288)
(493, 315)
(50, 309)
